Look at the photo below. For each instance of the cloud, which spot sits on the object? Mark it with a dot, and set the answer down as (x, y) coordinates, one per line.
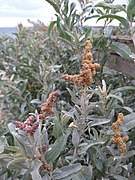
(14, 11)
(20, 4)
(24, 8)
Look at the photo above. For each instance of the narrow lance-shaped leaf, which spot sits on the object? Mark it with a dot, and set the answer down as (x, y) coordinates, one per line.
(35, 172)
(119, 177)
(57, 148)
(18, 163)
(98, 121)
(124, 88)
(67, 172)
(131, 10)
(123, 21)
(91, 143)
(54, 5)
(110, 6)
(129, 122)
(51, 27)
(79, 176)
(57, 130)
(116, 97)
(122, 49)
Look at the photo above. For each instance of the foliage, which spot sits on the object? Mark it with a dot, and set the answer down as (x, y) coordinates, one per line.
(76, 142)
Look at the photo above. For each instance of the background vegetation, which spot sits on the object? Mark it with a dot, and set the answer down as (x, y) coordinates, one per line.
(32, 63)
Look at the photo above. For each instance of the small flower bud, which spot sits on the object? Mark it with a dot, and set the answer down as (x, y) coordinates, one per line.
(41, 116)
(44, 148)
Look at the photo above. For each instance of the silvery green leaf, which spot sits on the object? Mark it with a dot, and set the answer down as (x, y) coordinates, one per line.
(119, 177)
(35, 172)
(128, 109)
(97, 121)
(57, 148)
(124, 88)
(75, 137)
(98, 164)
(88, 172)
(73, 96)
(44, 138)
(37, 137)
(3, 143)
(83, 149)
(129, 122)
(68, 172)
(104, 86)
(35, 101)
(18, 163)
(79, 176)
(46, 177)
(57, 130)
(129, 154)
(116, 97)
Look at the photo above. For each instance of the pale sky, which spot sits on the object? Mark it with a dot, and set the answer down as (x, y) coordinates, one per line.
(13, 12)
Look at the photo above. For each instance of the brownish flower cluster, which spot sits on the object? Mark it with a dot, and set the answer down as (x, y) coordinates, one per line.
(118, 139)
(88, 69)
(46, 107)
(28, 125)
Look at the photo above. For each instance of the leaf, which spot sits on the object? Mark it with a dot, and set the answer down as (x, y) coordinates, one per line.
(67, 172)
(35, 101)
(123, 21)
(88, 172)
(66, 3)
(98, 164)
(97, 121)
(79, 176)
(122, 49)
(75, 137)
(129, 154)
(15, 149)
(129, 122)
(116, 97)
(54, 5)
(119, 177)
(35, 173)
(124, 88)
(3, 143)
(110, 6)
(44, 139)
(83, 150)
(73, 96)
(57, 148)
(18, 163)
(46, 177)
(131, 10)
(50, 27)
(128, 109)
(72, 7)
(91, 17)
(57, 130)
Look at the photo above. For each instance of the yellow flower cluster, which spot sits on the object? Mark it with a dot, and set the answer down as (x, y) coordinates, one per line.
(118, 139)
(88, 69)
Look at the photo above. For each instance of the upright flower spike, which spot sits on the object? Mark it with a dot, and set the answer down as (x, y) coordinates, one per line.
(118, 139)
(88, 69)
(47, 106)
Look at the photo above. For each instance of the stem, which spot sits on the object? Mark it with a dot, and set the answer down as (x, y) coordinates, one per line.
(82, 123)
